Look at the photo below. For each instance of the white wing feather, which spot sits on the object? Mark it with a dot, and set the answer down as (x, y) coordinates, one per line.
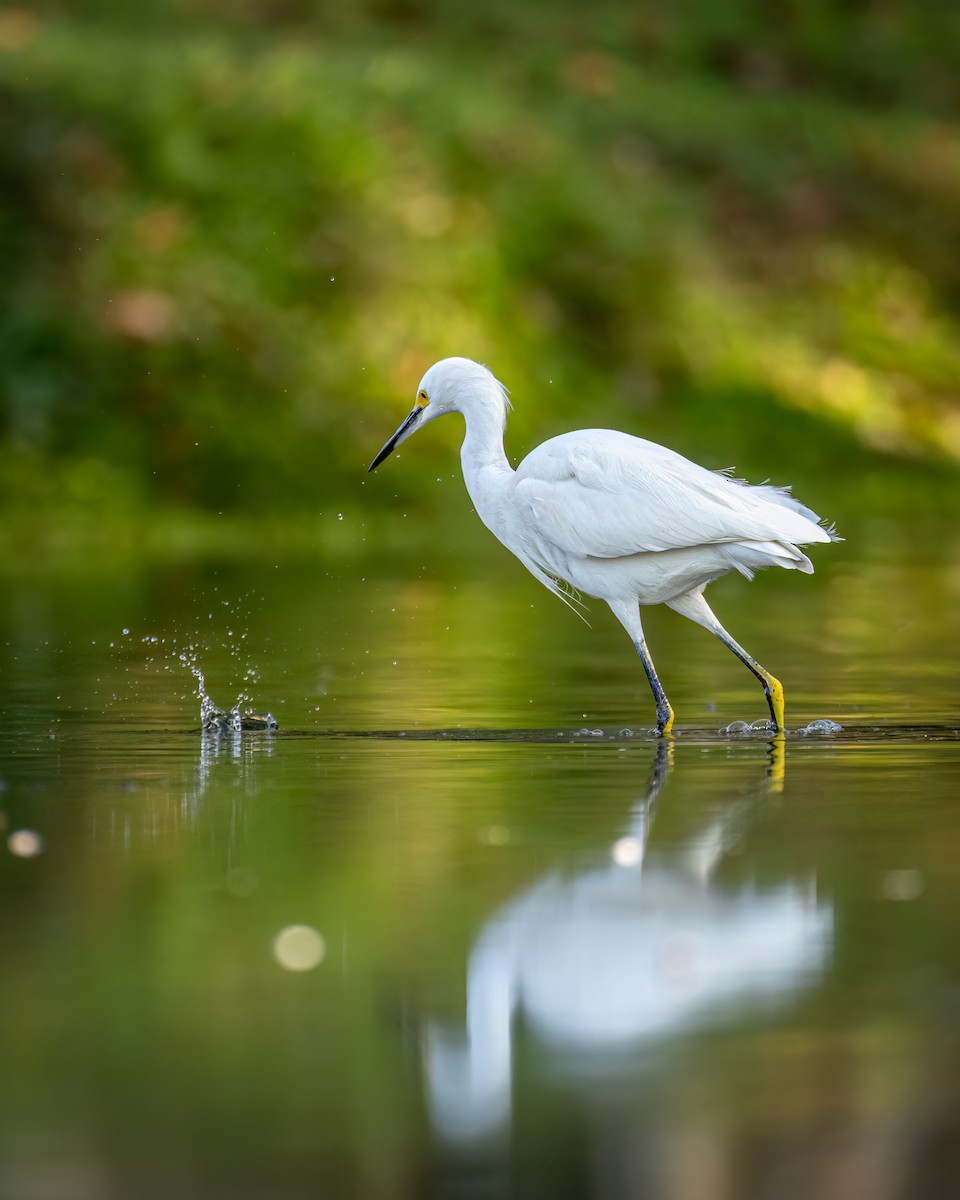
(605, 494)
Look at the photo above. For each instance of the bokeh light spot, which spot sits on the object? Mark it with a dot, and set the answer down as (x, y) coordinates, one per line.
(299, 948)
(904, 884)
(627, 852)
(494, 835)
(25, 843)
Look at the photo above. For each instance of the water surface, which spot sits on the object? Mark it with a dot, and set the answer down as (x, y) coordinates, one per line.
(550, 956)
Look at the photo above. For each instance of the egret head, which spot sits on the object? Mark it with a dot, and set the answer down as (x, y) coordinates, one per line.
(450, 385)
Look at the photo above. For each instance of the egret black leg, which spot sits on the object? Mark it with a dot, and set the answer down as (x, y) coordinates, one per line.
(693, 605)
(664, 711)
(772, 687)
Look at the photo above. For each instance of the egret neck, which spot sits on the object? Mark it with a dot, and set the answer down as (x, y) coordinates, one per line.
(486, 471)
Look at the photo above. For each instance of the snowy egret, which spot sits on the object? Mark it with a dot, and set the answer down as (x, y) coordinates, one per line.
(616, 516)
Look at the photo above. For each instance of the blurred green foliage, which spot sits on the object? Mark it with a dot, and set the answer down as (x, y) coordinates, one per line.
(235, 234)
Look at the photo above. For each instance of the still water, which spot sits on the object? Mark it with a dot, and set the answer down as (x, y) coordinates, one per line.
(463, 928)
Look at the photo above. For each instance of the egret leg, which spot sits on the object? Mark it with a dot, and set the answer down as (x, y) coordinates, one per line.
(693, 605)
(628, 614)
(664, 710)
(772, 687)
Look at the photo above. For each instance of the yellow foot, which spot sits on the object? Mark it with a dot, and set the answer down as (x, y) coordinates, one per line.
(773, 689)
(665, 720)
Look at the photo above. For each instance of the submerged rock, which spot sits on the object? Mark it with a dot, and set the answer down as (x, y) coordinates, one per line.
(218, 720)
(251, 720)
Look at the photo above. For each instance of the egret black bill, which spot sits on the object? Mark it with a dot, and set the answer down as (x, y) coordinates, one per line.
(406, 428)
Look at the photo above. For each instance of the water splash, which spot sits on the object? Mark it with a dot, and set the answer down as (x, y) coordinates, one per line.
(742, 729)
(147, 653)
(214, 719)
(822, 728)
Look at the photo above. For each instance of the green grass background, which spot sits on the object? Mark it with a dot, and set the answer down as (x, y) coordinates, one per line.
(234, 235)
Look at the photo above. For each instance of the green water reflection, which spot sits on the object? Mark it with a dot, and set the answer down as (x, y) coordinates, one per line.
(548, 968)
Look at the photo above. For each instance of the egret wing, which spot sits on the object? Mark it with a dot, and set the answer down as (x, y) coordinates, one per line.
(605, 494)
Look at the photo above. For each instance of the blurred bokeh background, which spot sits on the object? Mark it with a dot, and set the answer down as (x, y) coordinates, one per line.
(234, 234)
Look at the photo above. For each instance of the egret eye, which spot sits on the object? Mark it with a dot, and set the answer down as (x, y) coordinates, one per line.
(423, 397)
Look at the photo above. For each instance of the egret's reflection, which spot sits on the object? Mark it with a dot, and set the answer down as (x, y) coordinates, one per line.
(628, 952)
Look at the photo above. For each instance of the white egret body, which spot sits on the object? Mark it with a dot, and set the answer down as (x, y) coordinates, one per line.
(616, 516)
